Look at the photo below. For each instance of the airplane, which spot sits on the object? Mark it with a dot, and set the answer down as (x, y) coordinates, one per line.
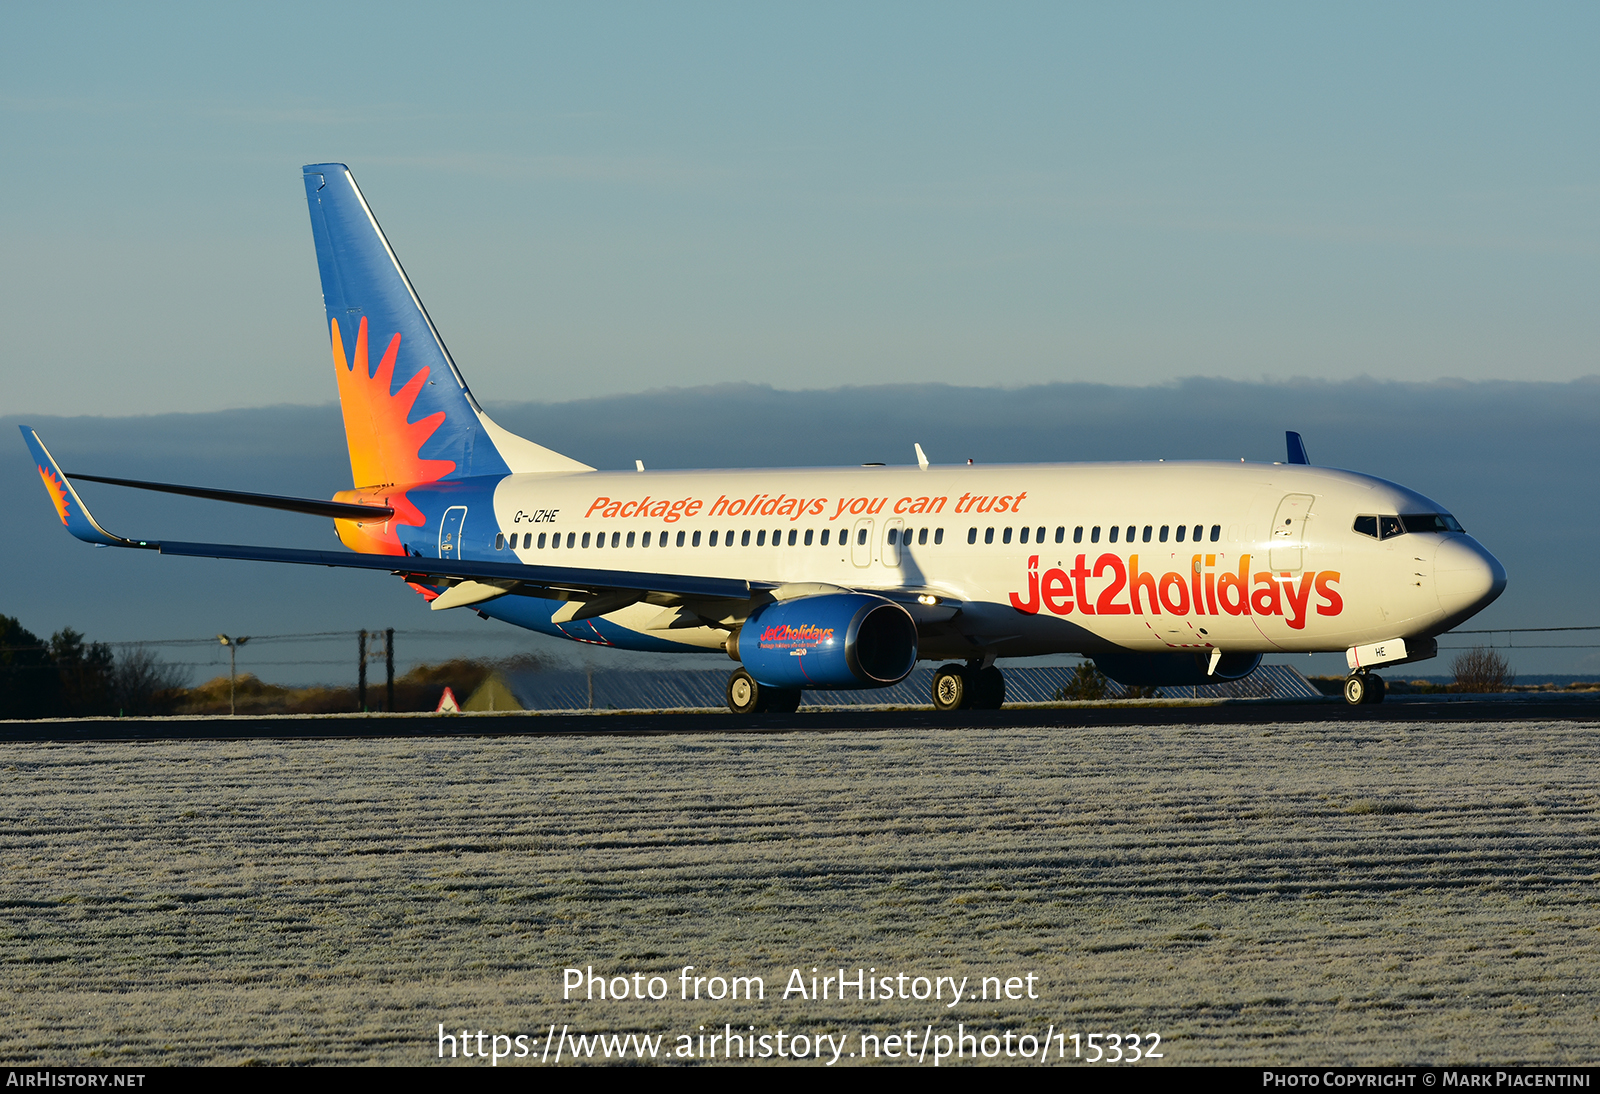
(1163, 573)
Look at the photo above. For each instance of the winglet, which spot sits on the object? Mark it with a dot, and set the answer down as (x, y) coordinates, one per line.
(922, 457)
(1297, 448)
(69, 507)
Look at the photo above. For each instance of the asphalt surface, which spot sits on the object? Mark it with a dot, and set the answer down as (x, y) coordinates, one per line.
(634, 723)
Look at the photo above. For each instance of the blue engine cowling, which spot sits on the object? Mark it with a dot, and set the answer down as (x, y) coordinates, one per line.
(831, 641)
(1174, 669)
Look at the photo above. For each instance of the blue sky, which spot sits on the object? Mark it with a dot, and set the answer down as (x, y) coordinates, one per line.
(599, 199)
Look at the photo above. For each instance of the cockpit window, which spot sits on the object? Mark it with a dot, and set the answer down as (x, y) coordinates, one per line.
(1367, 526)
(1388, 527)
(1431, 522)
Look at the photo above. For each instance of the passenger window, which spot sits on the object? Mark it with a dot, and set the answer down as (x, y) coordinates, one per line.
(1005, 537)
(761, 538)
(695, 540)
(1164, 533)
(727, 540)
(1077, 534)
(1023, 538)
(527, 540)
(744, 538)
(988, 535)
(616, 539)
(499, 541)
(541, 540)
(792, 534)
(555, 541)
(1061, 534)
(1115, 528)
(922, 538)
(972, 535)
(808, 537)
(1216, 532)
(1130, 533)
(1367, 526)
(1039, 536)
(1094, 534)
(824, 537)
(572, 539)
(861, 537)
(647, 539)
(586, 539)
(1146, 537)
(1389, 527)
(630, 539)
(680, 539)
(1182, 529)
(893, 536)
(938, 535)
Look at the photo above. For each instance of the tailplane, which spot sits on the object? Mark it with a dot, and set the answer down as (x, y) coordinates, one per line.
(409, 416)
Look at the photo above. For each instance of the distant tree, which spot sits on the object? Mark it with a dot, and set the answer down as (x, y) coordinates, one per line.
(143, 684)
(85, 673)
(1481, 669)
(1086, 682)
(29, 686)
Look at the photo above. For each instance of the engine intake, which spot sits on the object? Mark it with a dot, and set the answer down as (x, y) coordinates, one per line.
(833, 641)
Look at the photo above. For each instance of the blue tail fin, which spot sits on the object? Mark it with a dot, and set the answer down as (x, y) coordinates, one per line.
(409, 416)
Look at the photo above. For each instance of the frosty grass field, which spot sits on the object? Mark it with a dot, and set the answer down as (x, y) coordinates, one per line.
(1316, 893)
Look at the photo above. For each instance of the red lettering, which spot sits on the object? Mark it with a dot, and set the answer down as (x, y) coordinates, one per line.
(1264, 597)
(1031, 606)
(599, 503)
(1240, 584)
(1335, 603)
(1119, 577)
(1079, 575)
(1057, 591)
(1297, 604)
(1178, 604)
(1137, 580)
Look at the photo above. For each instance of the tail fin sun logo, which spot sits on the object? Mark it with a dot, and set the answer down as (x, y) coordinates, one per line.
(57, 491)
(385, 445)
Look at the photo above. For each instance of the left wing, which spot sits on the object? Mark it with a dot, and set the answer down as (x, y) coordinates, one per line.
(469, 581)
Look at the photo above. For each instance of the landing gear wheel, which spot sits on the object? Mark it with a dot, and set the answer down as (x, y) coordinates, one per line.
(1363, 689)
(744, 694)
(989, 689)
(781, 700)
(951, 689)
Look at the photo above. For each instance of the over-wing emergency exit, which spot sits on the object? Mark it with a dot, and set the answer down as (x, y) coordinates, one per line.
(1163, 573)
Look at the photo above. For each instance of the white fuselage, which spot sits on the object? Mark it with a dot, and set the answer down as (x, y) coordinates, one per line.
(1039, 558)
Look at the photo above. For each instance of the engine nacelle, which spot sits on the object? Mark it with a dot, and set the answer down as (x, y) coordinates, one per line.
(1173, 669)
(831, 641)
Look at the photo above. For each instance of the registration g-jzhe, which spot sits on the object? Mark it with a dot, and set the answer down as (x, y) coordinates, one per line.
(1165, 573)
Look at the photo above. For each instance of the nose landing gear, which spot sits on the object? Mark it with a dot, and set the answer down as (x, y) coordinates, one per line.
(1362, 688)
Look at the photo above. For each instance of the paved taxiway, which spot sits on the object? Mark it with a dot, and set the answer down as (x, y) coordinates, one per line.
(632, 723)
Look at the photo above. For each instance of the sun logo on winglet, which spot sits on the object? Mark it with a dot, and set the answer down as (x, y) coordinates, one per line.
(385, 445)
(57, 491)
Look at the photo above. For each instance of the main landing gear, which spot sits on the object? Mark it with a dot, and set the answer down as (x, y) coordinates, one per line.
(1361, 688)
(968, 687)
(746, 696)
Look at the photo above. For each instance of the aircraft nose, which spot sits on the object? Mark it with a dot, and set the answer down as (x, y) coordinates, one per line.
(1468, 577)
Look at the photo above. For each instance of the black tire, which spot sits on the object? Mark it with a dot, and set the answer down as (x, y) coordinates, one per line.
(744, 694)
(781, 700)
(951, 688)
(1356, 688)
(1376, 689)
(989, 687)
